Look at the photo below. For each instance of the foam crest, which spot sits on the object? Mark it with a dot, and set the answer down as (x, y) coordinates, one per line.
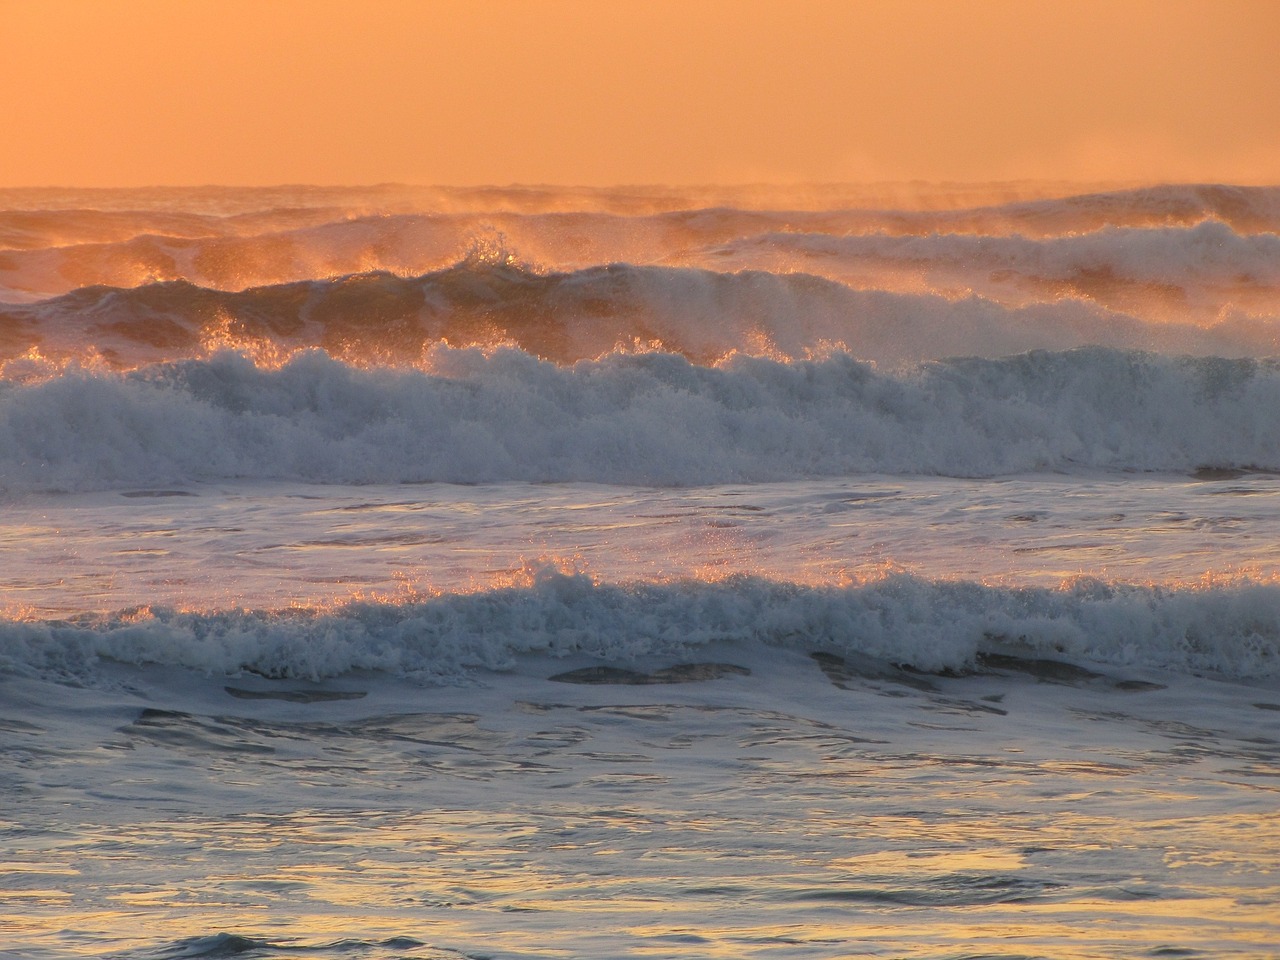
(582, 314)
(931, 625)
(654, 418)
(1191, 274)
(408, 231)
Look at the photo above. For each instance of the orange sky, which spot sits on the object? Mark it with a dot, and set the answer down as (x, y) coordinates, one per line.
(134, 92)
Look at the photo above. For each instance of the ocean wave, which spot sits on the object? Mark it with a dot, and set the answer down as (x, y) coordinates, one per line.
(66, 215)
(1244, 209)
(46, 252)
(647, 418)
(1232, 631)
(1189, 274)
(489, 299)
(37, 229)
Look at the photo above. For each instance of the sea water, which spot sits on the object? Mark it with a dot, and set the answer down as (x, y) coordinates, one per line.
(531, 572)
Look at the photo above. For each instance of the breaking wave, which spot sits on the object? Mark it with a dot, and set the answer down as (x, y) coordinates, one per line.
(583, 314)
(649, 418)
(1231, 631)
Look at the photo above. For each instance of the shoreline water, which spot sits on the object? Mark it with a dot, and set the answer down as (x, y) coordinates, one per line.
(752, 813)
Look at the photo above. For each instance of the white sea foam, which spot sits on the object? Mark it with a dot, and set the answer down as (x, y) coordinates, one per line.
(1233, 631)
(644, 418)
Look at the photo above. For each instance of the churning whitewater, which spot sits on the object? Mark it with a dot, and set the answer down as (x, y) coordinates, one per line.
(651, 418)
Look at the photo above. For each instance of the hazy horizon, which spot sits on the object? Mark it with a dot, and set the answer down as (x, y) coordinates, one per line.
(142, 92)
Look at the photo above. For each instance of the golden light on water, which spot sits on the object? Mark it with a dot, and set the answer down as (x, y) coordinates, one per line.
(825, 860)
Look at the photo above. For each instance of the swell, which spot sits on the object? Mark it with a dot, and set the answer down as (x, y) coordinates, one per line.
(582, 314)
(473, 416)
(1167, 274)
(1024, 207)
(45, 252)
(535, 198)
(1232, 631)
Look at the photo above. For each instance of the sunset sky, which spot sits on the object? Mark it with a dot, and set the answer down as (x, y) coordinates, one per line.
(137, 92)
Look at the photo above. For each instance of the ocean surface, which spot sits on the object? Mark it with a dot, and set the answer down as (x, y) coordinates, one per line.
(530, 572)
